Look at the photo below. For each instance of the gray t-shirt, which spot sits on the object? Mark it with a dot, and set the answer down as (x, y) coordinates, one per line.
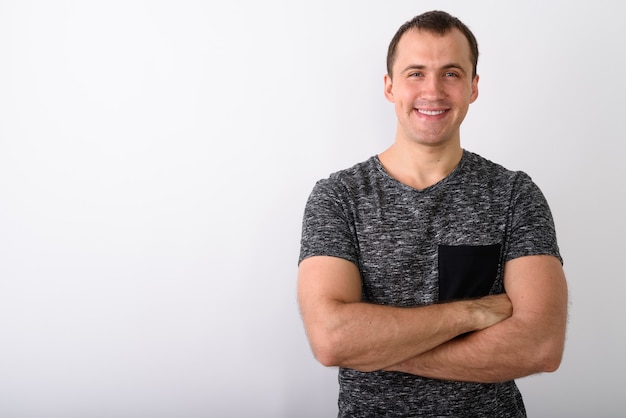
(417, 247)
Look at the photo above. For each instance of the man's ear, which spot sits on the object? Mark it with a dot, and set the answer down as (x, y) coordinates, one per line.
(474, 94)
(389, 88)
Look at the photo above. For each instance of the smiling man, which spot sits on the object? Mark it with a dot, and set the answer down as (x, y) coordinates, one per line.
(429, 275)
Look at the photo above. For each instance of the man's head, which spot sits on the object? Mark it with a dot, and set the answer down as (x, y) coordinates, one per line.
(431, 79)
(436, 22)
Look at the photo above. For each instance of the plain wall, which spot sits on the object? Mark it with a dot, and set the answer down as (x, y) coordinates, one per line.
(155, 158)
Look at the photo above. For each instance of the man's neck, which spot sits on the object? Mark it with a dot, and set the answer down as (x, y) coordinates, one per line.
(421, 166)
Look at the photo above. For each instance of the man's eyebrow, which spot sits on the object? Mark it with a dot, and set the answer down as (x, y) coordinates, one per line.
(454, 66)
(445, 67)
(413, 67)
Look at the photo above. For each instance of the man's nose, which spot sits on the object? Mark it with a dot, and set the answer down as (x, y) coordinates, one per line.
(432, 88)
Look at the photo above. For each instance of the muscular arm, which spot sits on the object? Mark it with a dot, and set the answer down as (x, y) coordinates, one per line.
(345, 332)
(530, 341)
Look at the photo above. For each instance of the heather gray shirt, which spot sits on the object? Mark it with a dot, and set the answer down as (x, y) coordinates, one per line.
(417, 247)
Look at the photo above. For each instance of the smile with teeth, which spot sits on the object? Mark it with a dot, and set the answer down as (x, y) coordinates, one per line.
(431, 112)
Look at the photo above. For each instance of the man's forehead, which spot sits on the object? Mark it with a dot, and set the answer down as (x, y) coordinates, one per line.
(451, 44)
(415, 36)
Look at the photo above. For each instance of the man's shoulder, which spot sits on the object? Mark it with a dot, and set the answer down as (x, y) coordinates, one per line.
(349, 184)
(485, 168)
(353, 176)
(361, 169)
(480, 162)
(494, 179)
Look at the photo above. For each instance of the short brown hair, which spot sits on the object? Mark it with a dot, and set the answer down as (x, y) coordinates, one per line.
(438, 22)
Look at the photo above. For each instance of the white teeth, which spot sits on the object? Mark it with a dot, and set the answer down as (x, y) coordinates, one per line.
(431, 112)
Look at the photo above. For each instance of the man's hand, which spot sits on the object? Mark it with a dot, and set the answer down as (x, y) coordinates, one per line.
(490, 310)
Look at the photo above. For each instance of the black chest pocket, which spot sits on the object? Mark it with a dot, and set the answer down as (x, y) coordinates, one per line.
(467, 271)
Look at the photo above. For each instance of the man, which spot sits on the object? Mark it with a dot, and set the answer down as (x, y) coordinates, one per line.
(429, 275)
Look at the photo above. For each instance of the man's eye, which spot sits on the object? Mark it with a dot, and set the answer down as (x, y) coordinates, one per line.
(415, 75)
(451, 74)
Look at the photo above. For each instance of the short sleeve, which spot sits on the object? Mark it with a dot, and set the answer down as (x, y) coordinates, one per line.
(328, 226)
(532, 230)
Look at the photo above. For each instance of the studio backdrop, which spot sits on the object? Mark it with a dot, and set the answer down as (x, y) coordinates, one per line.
(156, 156)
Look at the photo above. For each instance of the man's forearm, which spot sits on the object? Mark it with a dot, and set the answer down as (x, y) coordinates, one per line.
(369, 337)
(505, 351)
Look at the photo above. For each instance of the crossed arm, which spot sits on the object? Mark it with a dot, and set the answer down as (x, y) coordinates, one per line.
(494, 338)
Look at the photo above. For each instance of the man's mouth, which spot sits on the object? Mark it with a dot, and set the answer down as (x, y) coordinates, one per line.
(431, 112)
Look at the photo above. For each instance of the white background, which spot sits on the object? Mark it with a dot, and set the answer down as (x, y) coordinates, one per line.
(155, 158)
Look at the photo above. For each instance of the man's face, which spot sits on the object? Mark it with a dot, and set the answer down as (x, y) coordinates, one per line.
(432, 86)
